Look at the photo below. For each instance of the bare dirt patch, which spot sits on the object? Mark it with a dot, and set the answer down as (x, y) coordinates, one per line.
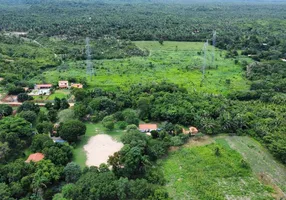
(267, 180)
(201, 141)
(99, 148)
(10, 98)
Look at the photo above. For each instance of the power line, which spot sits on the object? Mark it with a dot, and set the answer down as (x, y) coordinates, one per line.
(89, 66)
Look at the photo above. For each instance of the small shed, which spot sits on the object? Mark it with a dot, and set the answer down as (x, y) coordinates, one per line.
(36, 157)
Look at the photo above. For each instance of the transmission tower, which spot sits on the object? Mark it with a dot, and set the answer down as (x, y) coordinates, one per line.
(213, 49)
(205, 58)
(89, 66)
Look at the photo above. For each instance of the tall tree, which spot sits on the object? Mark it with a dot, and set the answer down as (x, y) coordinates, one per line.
(71, 130)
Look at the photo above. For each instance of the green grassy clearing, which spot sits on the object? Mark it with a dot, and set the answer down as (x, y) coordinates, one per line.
(92, 130)
(40, 97)
(176, 62)
(59, 94)
(197, 173)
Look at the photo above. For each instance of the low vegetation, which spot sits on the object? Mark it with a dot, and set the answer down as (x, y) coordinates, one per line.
(214, 171)
(174, 62)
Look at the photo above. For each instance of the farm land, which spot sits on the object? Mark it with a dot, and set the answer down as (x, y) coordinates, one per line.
(175, 62)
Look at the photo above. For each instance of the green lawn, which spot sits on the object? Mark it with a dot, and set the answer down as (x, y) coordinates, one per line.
(59, 94)
(40, 97)
(92, 130)
(197, 173)
(177, 62)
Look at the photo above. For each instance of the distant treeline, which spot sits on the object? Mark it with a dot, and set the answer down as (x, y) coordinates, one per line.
(257, 29)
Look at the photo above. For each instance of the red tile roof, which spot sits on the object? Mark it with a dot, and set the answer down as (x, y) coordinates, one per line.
(35, 157)
(147, 126)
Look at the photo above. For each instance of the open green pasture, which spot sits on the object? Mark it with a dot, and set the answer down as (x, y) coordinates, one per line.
(91, 130)
(59, 94)
(198, 173)
(260, 160)
(176, 62)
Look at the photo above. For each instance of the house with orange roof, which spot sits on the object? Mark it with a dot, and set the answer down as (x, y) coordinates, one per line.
(63, 84)
(36, 157)
(43, 86)
(147, 127)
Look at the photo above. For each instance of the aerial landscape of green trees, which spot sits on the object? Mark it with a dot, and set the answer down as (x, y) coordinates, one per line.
(147, 57)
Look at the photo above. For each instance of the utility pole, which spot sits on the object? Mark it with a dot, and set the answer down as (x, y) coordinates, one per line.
(213, 49)
(205, 59)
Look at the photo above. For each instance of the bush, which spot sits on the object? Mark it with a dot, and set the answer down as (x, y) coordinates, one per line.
(155, 134)
(22, 97)
(30, 116)
(176, 141)
(122, 125)
(131, 127)
(5, 110)
(44, 127)
(108, 122)
(15, 90)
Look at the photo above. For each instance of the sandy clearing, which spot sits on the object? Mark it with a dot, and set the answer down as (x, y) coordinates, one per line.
(99, 148)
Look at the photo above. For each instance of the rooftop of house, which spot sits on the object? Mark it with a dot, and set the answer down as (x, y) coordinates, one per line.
(36, 157)
(78, 85)
(44, 85)
(63, 82)
(148, 126)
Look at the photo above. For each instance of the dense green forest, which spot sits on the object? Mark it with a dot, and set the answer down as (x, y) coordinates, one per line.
(39, 39)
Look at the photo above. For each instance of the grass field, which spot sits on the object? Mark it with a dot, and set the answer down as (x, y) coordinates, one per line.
(260, 160)
(92, 130)
(59, 94)
(40, 97)
(195, 172)
(176, 62)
